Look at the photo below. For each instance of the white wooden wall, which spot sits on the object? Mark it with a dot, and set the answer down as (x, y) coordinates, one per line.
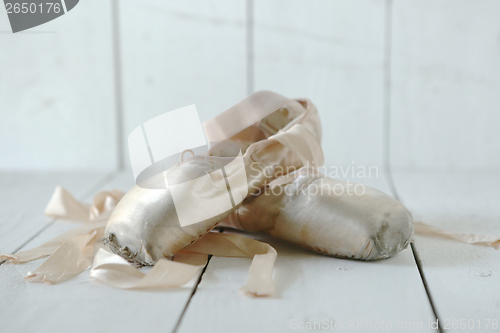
(58, 102)
(57, 109)
(333, 53)
(177, 53)
(445, 68)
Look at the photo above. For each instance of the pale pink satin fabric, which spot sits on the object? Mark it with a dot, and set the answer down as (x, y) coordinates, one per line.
(74, 251)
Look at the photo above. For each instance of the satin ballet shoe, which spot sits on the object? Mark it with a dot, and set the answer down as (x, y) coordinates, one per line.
(274, 135)
(326, 215)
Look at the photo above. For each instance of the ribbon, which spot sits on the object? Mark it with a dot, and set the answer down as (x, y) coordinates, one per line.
(468, 238)
(71, 253)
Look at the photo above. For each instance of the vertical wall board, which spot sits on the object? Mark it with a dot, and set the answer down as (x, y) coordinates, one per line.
(446, 85)
(178, 53)
(57, 109)
(333, 53)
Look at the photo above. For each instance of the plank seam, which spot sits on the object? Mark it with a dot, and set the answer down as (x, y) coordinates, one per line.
(178, 324)
(250, 59)
(386, 158)
(106, 179)
(179, 321)
(424, 281)
(117, 62)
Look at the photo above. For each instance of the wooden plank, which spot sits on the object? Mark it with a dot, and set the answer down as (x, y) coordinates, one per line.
(82, 305)
(331, 52)
(312, 288)
(56, 93)
(177, 53)
(23, 197)
(445, 83)
(463, 279)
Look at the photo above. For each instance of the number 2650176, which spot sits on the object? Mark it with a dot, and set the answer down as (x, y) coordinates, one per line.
(27, 7)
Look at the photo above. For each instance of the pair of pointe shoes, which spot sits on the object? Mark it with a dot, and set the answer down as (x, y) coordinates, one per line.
(283, 193)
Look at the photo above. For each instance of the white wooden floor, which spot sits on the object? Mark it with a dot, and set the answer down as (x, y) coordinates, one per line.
(461, 279)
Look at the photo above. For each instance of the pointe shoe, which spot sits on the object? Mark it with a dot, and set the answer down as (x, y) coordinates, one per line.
(326, 215)
(274, 134)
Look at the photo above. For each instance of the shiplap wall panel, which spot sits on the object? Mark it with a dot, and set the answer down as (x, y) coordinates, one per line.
(56, 92)
(177, 53)
(331, 52)
(446, 84)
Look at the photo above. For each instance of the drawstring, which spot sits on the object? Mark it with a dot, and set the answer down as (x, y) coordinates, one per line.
(184, 151)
